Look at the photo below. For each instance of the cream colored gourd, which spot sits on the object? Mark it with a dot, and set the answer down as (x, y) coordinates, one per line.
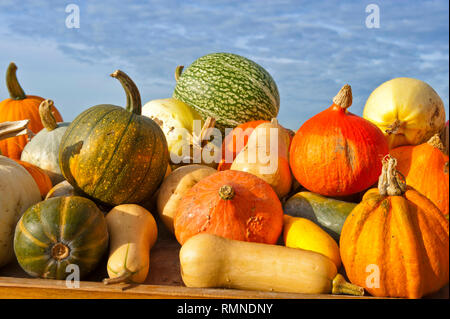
(262, 158)
(133, 232)
(175, 186)
(18, 191)
(209, 261)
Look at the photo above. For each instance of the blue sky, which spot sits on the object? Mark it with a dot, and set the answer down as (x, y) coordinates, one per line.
(311, 48)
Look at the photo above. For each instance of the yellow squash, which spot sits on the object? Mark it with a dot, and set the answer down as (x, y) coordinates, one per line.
(133, 233)
(302, 233)
(408, 111)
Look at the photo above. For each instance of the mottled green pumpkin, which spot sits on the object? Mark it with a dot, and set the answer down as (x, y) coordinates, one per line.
(115, 155)
(58, 232)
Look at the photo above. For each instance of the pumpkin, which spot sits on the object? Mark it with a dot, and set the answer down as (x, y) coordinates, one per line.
(395, 243)
(425, 168)
(40, 177)
(43, 149)
(330, 214)
(20, 107)
(18, 191)
(175, 186)
(211, 261)
(266, 155)
(115, 155)
(133, 233)
(337, 153)
(232, 204)
(235, 141)
(59, 232)
(408, 111)
(228, 87)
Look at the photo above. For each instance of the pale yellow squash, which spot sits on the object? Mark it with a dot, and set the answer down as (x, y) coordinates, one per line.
(209, 261)
(408, 111)
(302, 233)
(133, 232)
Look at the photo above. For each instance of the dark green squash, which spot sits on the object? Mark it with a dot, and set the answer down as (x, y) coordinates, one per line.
(115, 155)
(328, 213)
(58, 232)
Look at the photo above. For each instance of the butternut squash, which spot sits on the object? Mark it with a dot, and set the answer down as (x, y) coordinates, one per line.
(133, 233)
(208, 261)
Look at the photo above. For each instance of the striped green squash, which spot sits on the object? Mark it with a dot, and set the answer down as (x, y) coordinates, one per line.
(114, 155)
(228, 87)
(59, 232)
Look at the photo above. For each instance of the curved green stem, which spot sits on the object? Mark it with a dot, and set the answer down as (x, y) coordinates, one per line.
(341, 286)
(46, 114)
(15, 90)
(124, 277)
(178, 72)
(134, 104)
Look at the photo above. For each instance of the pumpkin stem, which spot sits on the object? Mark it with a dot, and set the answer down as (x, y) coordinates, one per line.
(341, 286)
(226, 192)
(134, 104)
(124, 277)
(15, 90)
(47, 118)
(344, 98)
(60, 251)
(436, 142)
(12, 129)
(391, 181)
(198, 141)
(178, 71)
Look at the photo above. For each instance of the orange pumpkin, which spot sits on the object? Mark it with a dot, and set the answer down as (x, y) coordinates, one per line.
(235, 141)
(232, 204)
(42, 179)
(395, 243)
(337, 153)
(20, 107)
(425, 168)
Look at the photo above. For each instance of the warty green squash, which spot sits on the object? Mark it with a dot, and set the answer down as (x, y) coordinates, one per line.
(115, 155)
(228, 87)
(59, 232)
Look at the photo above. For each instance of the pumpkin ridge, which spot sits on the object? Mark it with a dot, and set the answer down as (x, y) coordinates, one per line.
(85, 227)
(45, 228)
(64, 203)
(30, 236)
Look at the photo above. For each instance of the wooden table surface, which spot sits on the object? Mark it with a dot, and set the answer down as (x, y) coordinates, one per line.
(164, 281)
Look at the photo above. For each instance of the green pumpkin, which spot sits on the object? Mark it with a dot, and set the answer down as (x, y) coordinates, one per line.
(229, 88)
(115, 155)
(330, 214)
(58, 232)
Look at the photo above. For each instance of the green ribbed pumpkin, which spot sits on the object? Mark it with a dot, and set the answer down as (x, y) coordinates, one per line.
(115, 155)
(58, 232)
(228, 87)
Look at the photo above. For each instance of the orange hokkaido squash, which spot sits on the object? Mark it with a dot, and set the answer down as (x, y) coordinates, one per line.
(337, 153)
(425, 168)
(20, 107)
(395, 243)
(40, 177)
(232, 204)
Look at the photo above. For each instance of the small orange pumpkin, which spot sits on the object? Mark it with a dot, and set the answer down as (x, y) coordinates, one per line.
(425, 168)
(395, 243)
(42, 179)
(232, 204)
(20, 107)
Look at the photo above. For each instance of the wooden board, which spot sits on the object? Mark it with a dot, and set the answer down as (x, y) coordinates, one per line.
(164, 281)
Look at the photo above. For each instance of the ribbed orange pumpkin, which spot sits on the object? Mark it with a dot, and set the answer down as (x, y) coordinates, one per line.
(235, 141)
(425, 168)
(42, 179)
(231, 204)
(337, 153)
(395, 243)
(20, 107)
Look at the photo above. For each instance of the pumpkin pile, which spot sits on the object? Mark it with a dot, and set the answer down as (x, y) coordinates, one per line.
(347, 204)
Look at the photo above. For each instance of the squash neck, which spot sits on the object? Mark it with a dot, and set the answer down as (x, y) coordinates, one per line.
(134, 104)
(226, 192)
(15, 90)
(46, 114)
(391, 181)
